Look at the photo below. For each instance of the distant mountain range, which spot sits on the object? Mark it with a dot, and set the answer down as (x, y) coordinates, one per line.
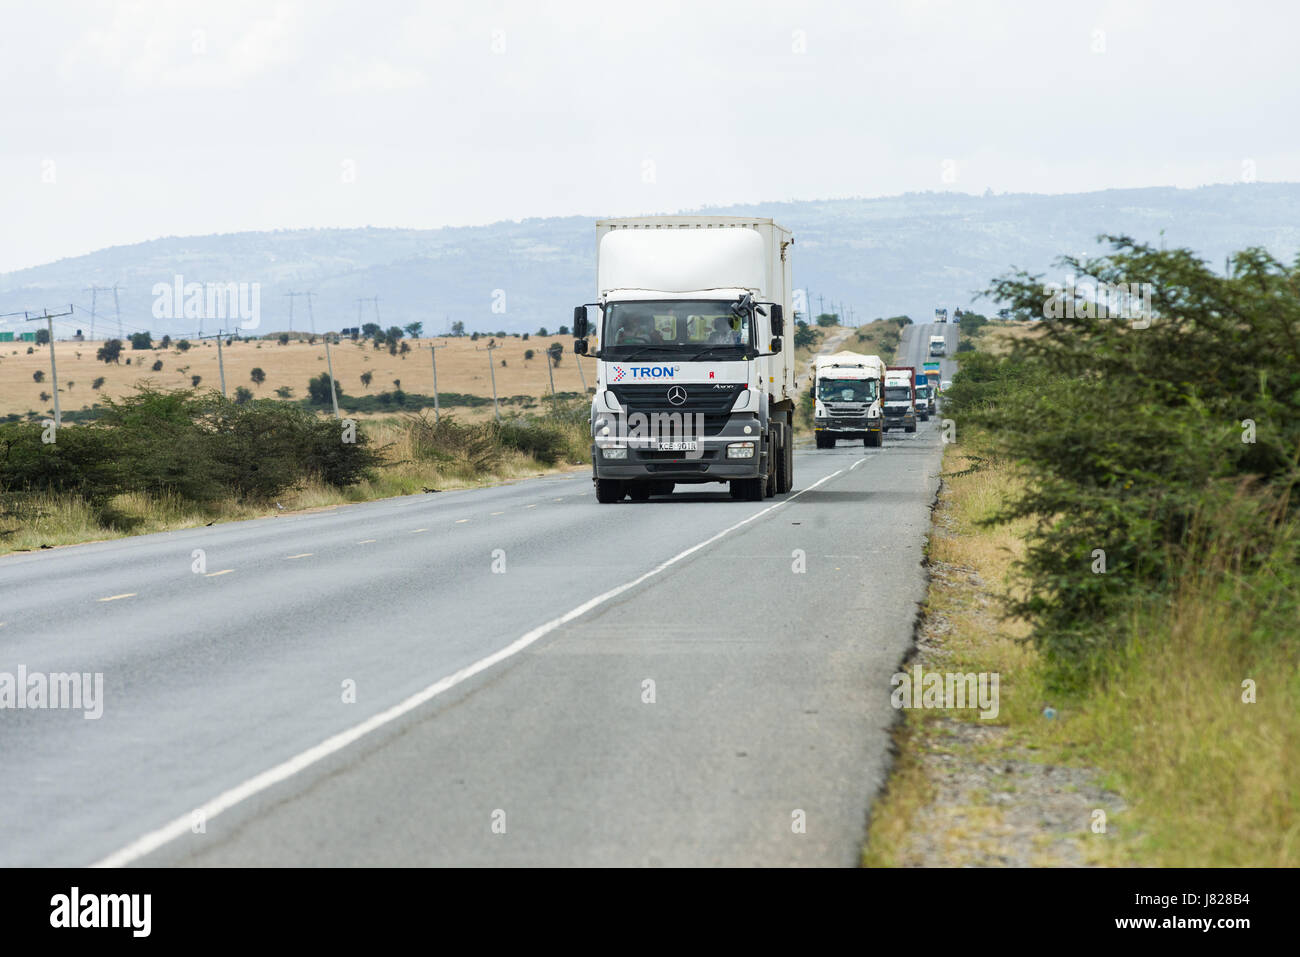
(881, 257)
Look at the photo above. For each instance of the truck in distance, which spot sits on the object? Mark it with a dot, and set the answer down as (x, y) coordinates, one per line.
(924, 396)
(900, 398)
(847, 399)
(938, 346)
(694, 375)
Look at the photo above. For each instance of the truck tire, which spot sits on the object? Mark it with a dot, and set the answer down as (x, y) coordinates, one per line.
(663, 488)
(783, 461)
(820, 439)
(909, 428)
(609, 491)
(639, 491)
(787, 473)
(873, 440)
(830, 441)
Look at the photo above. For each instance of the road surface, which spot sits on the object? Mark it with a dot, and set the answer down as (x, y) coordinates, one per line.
(512, 675)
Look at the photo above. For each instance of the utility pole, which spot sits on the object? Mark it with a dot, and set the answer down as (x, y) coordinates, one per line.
(54, 369)
(496, 408)
(433, 351)
(551, 374)
(94, 290)
(577, 360)
(291, 297)
(117, 309)
(221, 365)
(820, 305)
(329, 361)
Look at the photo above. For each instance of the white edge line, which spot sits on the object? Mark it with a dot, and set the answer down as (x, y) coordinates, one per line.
(241, 792)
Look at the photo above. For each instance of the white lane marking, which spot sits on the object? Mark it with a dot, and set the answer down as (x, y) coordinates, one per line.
(416, 531)
(129, 594)
(224, 571)
(461, 521)
(498, 513)
(281, 772)
(288, 558)
(531, 506)
(367, 541)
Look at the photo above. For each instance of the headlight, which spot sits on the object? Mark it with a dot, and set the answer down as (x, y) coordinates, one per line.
(740, 450)
(620, 453)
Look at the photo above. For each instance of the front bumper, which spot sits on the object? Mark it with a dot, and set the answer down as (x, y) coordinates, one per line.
(708, 464)
(845, 425)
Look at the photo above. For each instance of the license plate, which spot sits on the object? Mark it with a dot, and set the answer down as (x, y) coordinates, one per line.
(679, 446)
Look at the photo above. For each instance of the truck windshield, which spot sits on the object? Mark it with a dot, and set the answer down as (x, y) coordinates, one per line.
(682, 328)
(897, 393)
(846, 390)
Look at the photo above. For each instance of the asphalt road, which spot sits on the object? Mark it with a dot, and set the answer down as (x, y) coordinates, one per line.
(502, 644)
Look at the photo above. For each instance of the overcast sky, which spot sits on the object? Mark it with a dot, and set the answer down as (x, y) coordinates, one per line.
(128, 121)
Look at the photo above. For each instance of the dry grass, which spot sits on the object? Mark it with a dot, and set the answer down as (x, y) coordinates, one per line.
(1208, 780)
(462, 367)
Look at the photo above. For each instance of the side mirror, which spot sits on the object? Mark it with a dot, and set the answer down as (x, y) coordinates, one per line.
(580, 347)
(776, 345)
(778, 320)
(580, 322)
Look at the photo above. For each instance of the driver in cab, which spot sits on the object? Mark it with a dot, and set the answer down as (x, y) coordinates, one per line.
(638, 330)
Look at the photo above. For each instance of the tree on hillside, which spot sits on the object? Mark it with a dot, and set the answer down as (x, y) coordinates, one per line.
(195, 380)
(542, 331)
(110, 351)
(42, 337)
(458, 329)
(413, 329)
(805, 337)
(38, 376)
(318, 389)
(141, 340)
(257, 375)
(183, 345)
(365, 379)
(828, 319)
(556, 352)
(370, 330)
(243, 394)
(564, 331)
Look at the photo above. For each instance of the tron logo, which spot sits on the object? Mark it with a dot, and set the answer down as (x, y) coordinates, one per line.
(619, 372)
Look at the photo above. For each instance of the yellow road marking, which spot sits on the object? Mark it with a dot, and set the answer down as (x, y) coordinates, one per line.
(291, 557)
(498, 513)
(419, 530)
(224, 571)
(461, 521)
(129, 594)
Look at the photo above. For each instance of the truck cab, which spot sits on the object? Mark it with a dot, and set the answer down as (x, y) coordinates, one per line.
(938, 346)
(900, 398)
(847, 395)
(694, 375)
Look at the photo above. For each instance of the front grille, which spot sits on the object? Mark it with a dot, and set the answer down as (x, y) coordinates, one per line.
(701, 397)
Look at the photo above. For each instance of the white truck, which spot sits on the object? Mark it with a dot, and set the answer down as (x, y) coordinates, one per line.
(847, 391)
(694, 375)
(938, 345)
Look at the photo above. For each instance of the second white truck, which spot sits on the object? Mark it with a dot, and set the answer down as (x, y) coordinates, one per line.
(847, 389)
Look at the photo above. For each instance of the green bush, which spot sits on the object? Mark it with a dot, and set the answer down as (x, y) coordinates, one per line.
(202, 448)
(1155, 447)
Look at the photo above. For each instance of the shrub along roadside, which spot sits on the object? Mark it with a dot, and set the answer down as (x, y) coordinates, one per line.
(158, 460)
(1145, 450)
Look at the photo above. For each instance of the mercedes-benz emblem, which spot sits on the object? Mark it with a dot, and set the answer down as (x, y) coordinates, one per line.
(676, 395)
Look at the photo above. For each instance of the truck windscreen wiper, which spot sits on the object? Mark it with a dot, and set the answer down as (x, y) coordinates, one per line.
(642, 351)
(744, 351)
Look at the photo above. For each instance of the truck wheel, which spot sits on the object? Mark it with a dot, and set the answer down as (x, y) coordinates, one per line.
(909, 428)
(830, 441)
(820, 439)
(783, 461)
(639, 492)
(664, 488)
(609, 491)
(787, 479)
